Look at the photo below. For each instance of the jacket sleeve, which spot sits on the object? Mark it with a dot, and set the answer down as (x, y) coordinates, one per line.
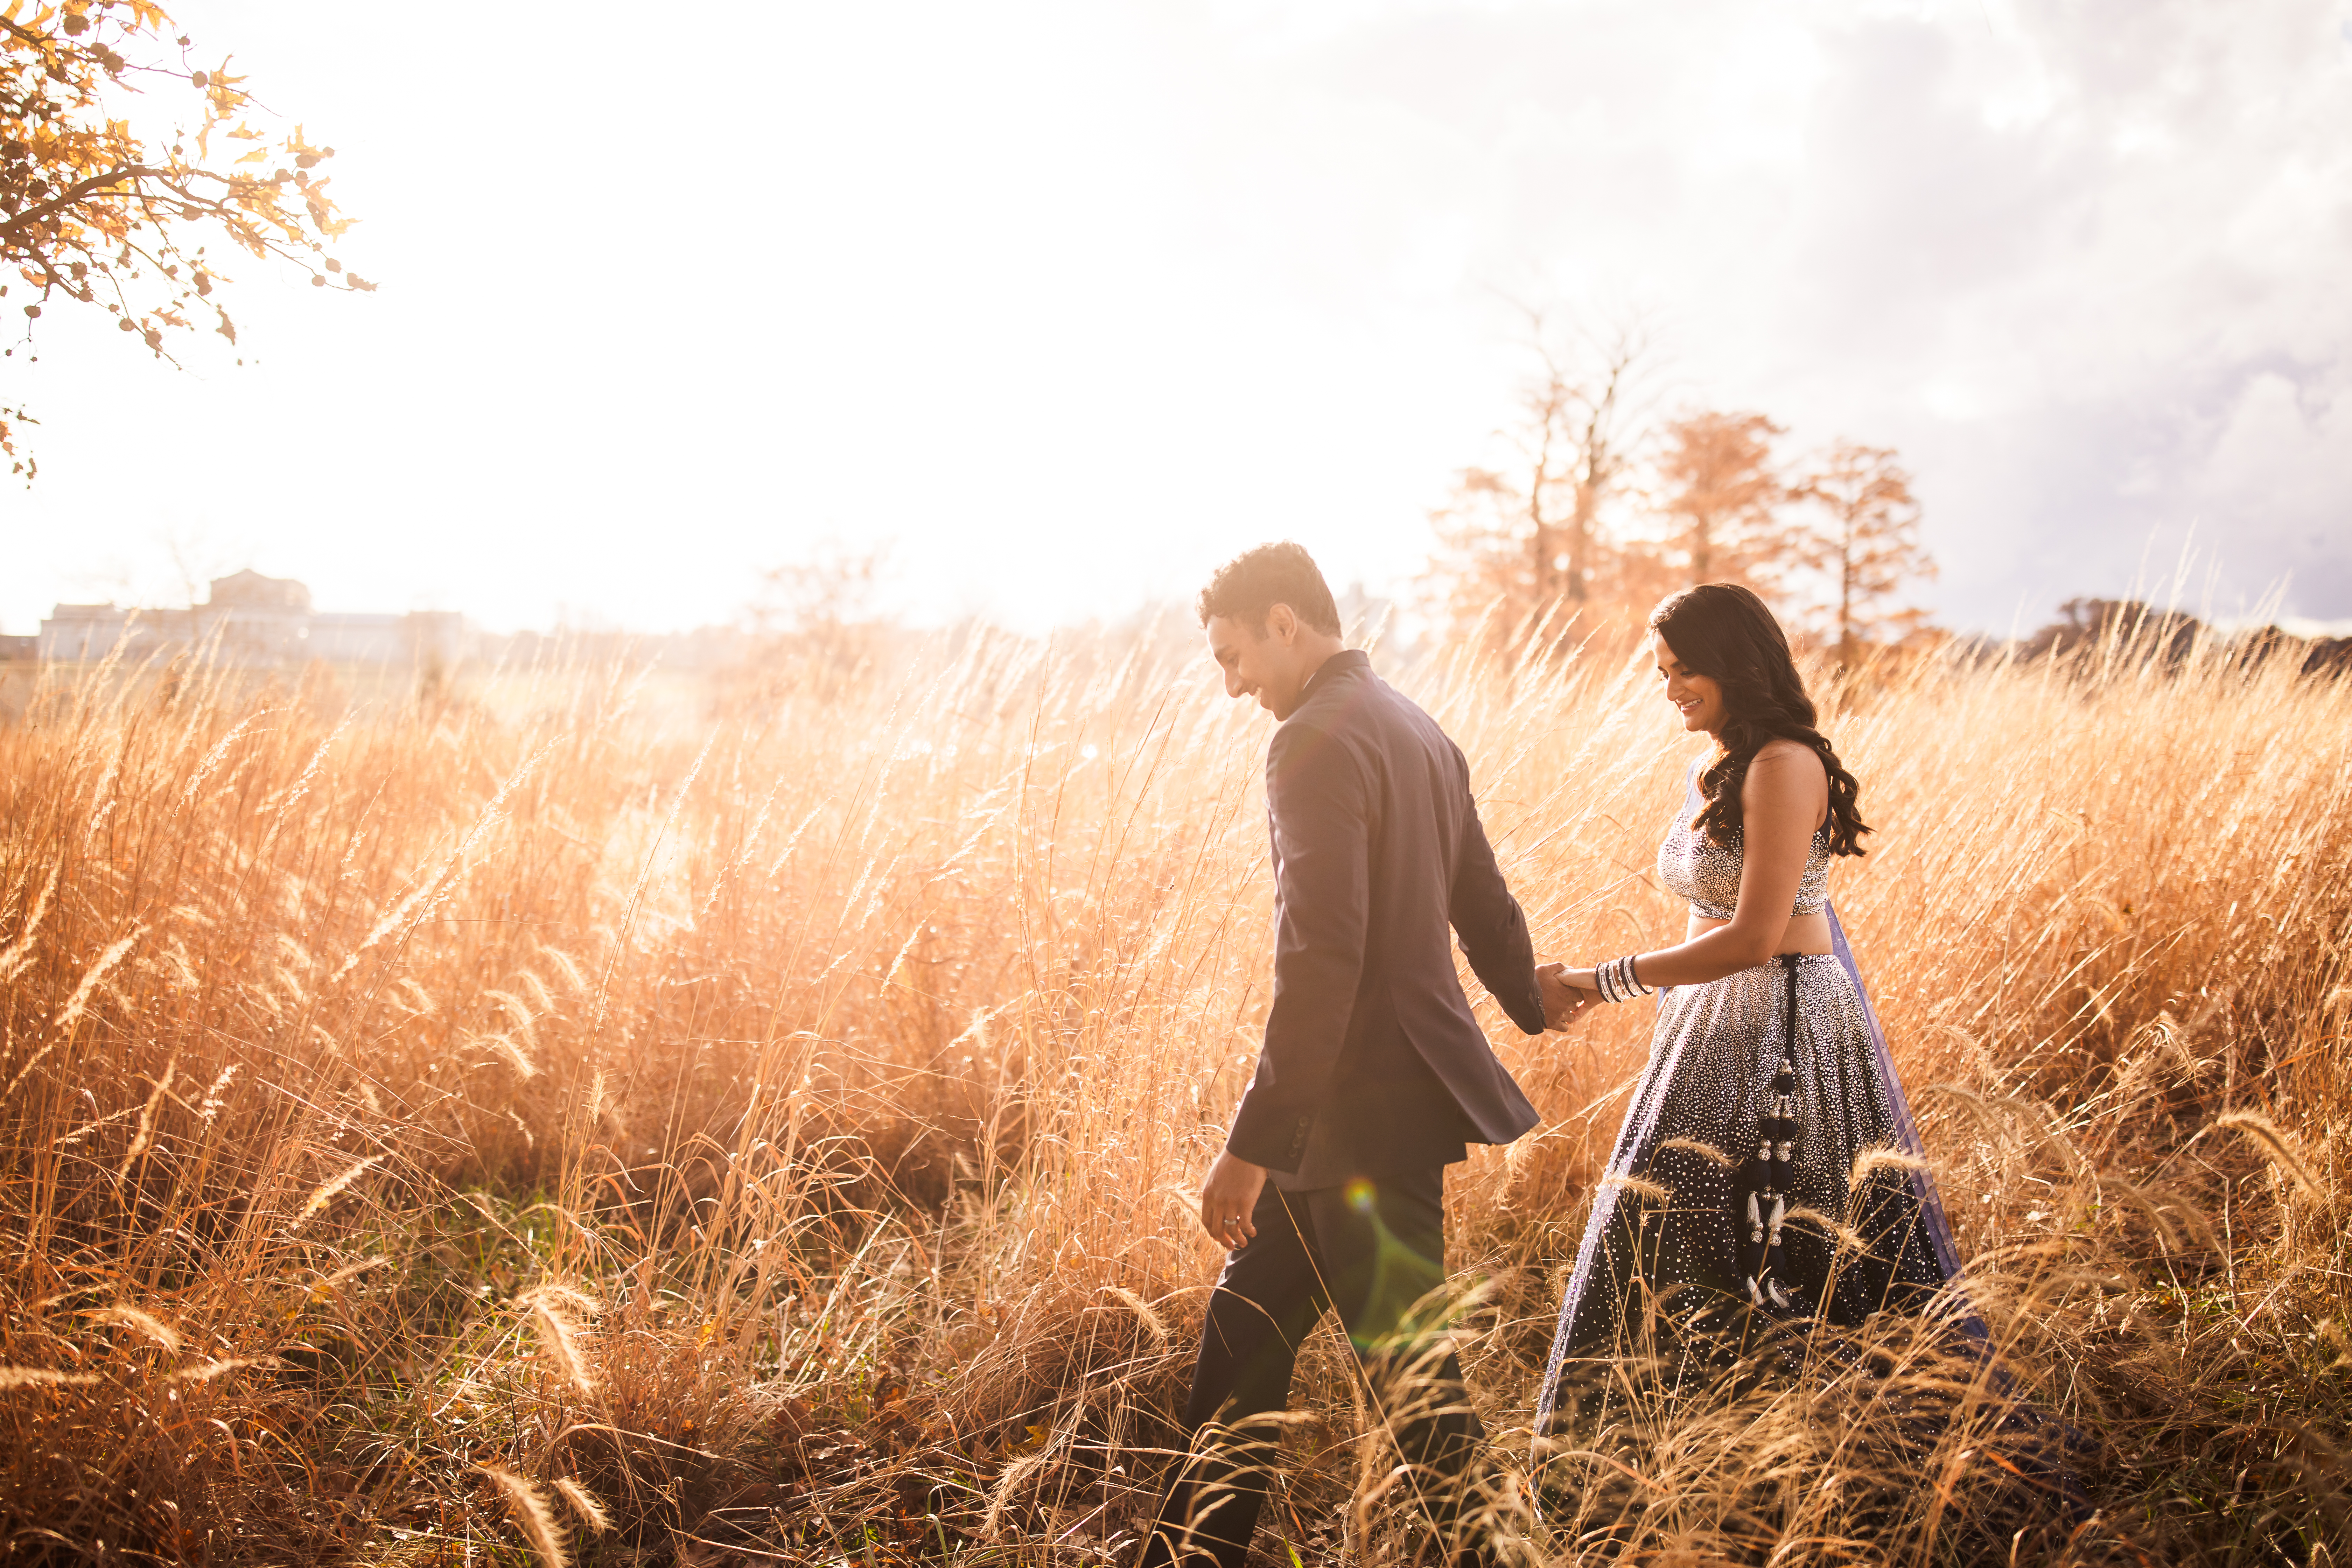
(1494, 931)
(1321, 807)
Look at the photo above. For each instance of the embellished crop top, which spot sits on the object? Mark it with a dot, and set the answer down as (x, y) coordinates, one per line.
(1707, 874)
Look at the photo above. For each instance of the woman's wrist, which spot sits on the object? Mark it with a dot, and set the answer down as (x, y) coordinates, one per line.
(1619, 980)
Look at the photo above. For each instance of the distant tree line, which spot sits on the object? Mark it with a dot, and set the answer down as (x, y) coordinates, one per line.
(1602, 506)
(2145, 632)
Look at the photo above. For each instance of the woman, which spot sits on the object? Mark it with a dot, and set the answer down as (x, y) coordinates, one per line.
(1768, 1124)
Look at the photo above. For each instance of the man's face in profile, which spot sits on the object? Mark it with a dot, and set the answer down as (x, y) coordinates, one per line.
(1268, 665)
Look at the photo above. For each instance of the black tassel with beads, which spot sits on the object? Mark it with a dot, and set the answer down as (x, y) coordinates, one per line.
(1768, 1178)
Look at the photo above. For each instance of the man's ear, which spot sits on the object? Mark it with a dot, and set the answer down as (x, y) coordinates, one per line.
(1282, 622)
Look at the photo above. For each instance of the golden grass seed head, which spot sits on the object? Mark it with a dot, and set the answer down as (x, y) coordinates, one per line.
(583, 1504)
(526, 1506)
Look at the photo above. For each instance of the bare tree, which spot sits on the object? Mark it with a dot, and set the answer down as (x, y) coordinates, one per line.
(1866, 540)
(815, 624)
(1526, 540)
(1595, 412)
(1721, 495)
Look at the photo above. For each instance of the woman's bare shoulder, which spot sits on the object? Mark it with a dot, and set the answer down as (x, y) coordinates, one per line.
(1787, 762)
(1785, 776)
(1786, 784)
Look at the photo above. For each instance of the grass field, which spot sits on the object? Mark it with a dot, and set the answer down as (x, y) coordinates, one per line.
(559, 1121)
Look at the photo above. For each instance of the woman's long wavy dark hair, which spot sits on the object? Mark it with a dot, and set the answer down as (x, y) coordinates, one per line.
(1723, 632)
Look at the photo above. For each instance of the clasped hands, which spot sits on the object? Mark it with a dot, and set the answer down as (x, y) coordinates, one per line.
(1567, 993)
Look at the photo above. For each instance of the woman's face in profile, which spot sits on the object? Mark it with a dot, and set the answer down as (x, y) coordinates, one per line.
(1698, 698)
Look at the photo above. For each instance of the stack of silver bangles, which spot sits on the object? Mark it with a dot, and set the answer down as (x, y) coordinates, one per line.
(1617, 981)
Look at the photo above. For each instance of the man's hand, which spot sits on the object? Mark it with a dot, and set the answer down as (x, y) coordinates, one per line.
(1567, 993)
(1227, 1199)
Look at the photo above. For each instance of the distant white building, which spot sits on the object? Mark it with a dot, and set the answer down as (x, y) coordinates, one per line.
(73, 633)
(255, 621)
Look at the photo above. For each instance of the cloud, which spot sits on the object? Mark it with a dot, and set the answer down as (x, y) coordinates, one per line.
(2069, 259)
(2090, 263)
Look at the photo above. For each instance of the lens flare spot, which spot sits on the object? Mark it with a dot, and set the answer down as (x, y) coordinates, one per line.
(1360, 1195)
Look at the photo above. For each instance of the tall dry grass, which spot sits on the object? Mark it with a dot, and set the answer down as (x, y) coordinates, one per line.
(543, 1120)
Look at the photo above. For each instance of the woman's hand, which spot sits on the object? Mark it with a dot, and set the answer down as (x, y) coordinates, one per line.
(1567, 992)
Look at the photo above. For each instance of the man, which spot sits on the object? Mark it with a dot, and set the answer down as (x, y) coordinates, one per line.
(1374, 1077)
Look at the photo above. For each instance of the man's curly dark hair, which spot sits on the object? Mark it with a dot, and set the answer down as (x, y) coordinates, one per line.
(1256, 580)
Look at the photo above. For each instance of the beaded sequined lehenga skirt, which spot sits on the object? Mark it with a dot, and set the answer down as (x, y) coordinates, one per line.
(1658, 1273)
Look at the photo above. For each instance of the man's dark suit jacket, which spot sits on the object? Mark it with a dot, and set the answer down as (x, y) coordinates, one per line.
(1373, 1060)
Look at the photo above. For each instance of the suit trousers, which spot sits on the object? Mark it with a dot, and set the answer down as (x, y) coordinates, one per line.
(1374, 1248)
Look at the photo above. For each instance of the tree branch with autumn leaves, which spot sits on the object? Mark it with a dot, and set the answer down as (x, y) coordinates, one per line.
(95, 213)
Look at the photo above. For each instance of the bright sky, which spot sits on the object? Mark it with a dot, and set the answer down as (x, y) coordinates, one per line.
(1070, 299)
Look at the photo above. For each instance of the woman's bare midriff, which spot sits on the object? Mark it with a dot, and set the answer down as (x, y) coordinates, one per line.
(1806, 933)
